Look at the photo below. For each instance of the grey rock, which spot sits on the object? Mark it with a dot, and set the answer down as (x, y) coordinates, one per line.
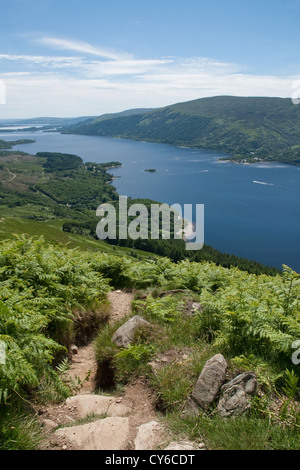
(125, 334)
(235, 398)
(208, 385)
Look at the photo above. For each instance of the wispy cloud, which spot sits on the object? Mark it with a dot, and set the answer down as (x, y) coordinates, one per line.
(46, 61)
(83, 47)
(90, 67)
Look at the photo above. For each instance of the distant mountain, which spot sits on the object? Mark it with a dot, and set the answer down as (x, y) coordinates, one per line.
(72, 121)
(248, 128)
(44, 121)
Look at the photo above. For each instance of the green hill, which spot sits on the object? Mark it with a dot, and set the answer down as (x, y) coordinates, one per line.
(248, 128)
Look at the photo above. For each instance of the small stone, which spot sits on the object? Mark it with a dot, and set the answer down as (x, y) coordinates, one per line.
(164, 359)
(74, 349)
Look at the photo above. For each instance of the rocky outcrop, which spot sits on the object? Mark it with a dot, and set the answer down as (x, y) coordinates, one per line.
(234, 395)
(125, 334)
(235, 398)
(208, 385)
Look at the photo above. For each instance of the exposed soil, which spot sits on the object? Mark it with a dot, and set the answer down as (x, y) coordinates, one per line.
(83, 363)
(120, 304)
(137, 395)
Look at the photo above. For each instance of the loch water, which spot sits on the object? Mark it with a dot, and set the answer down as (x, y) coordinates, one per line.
(251, 210)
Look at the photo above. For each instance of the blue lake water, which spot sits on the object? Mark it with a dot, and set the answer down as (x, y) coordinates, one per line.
(250, 210)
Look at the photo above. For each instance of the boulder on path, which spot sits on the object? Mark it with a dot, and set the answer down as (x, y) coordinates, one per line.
(148, 436)
(235, 399)
(125, 334)
(208, 385)
(97, 404)
(104, 434)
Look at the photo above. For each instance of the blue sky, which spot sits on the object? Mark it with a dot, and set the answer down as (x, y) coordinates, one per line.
(88, 57)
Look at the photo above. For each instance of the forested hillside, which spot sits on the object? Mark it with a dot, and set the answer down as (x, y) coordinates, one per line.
(244, 127)
(4, 144)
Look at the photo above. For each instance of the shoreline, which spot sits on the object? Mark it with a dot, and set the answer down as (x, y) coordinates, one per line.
(186, 147)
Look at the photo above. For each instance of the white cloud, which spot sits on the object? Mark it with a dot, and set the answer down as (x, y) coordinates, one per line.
(113, 81)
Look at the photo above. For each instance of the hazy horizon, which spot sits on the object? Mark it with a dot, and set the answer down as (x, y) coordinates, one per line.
(13, 119)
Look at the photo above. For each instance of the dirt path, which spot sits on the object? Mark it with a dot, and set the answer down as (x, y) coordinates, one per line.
(83, 363)
(120, 304)
(136, 397)
(13, 177)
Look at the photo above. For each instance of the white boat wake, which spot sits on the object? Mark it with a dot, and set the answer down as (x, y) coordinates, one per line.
(262, 182)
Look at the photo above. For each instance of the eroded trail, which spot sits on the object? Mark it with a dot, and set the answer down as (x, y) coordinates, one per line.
(113, 421)
(120, 304)
(83, 363)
